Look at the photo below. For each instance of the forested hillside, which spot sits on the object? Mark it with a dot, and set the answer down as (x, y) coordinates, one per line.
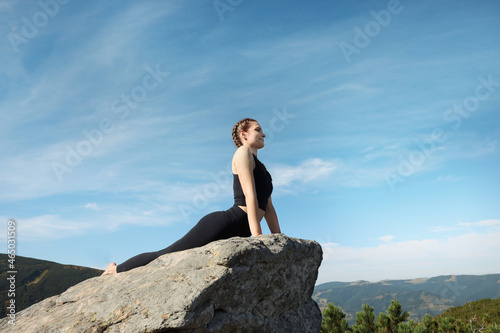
(486, 309)
(417, 296)
(38, 279)
(476, 317)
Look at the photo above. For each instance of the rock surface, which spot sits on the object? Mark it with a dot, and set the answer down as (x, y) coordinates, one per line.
(259, 284)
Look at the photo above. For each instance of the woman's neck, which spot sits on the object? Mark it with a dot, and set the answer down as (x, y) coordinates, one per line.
(253, 150)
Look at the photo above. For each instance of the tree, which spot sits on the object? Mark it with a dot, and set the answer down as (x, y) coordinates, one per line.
(477, 325)
(383, 323)
(365, 320)
(395, 315)
(495, 328)
(411, 327)
(451, 325)
(430, 324)
(334, 320)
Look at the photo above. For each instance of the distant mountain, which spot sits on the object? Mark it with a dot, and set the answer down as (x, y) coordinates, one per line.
(38, 279)
(417, 296)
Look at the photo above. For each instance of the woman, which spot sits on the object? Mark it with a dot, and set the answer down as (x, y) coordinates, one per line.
(252, 201)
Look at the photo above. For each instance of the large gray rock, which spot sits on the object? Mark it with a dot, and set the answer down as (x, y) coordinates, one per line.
(261, 284)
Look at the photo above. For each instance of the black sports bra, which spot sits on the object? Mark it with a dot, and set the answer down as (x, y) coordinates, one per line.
(263, 186)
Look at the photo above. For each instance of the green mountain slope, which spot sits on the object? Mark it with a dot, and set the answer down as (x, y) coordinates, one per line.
(485, 309)
(38, 279)
(417, 296)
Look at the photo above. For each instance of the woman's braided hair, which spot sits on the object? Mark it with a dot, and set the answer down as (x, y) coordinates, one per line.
(241, 125)
(244, 125)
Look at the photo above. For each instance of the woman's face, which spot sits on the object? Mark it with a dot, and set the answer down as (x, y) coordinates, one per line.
(254, 136)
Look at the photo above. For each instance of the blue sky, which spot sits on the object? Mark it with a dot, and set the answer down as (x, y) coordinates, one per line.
(382, 122)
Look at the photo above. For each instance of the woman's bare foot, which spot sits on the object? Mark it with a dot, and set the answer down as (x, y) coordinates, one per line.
(110, 270)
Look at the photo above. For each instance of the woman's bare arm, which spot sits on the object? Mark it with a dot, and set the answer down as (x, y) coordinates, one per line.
(245, 164)
(272, 218)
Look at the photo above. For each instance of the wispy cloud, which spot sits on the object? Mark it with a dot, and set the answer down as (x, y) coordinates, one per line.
(447, 179)
(306, 172)
(92, 205)
(386, 238)
(410, 157)
(356, 88)
(438, 229)
(483, 223)
(68, 223)
(50, 227)
(468, 226)
(30, 173)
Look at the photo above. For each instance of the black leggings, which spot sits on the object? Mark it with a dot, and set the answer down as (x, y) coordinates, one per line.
(218, 225)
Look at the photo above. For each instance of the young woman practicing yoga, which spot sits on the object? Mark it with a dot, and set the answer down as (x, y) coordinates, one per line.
(252, 187)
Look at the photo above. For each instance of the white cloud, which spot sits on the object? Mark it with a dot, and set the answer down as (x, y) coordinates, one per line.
(386, 238)
(30, 173)
(356, 88)
(447, 179)
(91, 205)
(50, 226)
(468, 226)
(63, 225)
(488, 223)
(399, 159)
(469, 253)
(482, 223)
(443, 229)
(307, 171)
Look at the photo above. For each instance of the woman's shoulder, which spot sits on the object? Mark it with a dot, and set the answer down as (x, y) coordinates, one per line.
(243, 152)
(243, 155)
